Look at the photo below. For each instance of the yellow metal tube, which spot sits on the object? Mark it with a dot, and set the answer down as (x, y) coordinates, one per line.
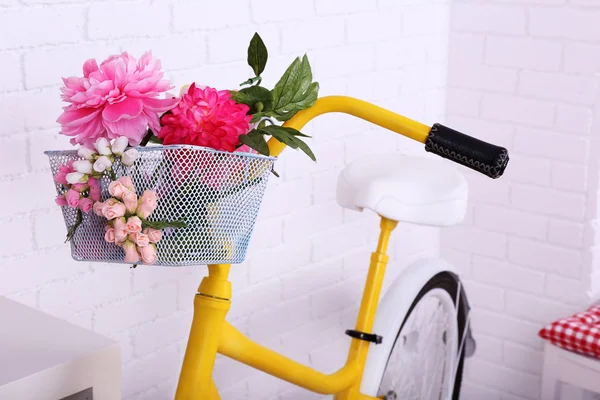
(211, 305)
(238, 347)
(366, 316)
(361, 109)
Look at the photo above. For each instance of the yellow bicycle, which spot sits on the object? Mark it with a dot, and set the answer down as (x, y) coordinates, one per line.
(412, 343)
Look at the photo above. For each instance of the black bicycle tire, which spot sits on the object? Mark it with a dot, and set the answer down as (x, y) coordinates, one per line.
(449, 282)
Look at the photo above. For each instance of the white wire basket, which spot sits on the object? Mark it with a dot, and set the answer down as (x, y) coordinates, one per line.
(218, 194)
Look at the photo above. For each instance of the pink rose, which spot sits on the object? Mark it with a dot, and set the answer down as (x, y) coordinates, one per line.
(131, 254)
(61, 175)
(86, 204)
(131, 201)
(134, 225)
(117, 189)
(80, 187)
(95, 192)
(61, 201)
(109, 236)
(140, 239)
(113, 209)
(92, 181)
(127, 182)
(154, 235)
(73, 198)
(147, 204)
(148, 254)
(119, 226)
(97, 207)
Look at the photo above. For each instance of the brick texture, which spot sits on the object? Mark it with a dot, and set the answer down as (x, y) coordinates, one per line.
(518, 73)
(298, 283)
(526, 71)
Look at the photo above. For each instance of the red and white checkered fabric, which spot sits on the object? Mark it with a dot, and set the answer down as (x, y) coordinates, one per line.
(579, 333)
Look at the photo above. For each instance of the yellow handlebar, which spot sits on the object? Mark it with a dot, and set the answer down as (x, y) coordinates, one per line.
(361, 109)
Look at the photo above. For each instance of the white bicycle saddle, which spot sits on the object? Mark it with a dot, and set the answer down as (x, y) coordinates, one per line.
(404, 188)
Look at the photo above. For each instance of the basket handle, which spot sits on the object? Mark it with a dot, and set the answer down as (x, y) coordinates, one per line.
(483, 157)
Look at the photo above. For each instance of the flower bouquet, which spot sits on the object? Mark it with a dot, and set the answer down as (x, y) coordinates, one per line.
(170, 179)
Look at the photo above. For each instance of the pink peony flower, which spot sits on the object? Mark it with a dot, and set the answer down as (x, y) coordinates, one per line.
(147, 204)
(118, 98)
(131, 254)
(140, 239)
(119, 226)
(113, 209)
(148, 254)
(109, 235)
(72, 197)
(205, 117)
(86, 204)
(154, 235)
(61, 201)
(134, 225)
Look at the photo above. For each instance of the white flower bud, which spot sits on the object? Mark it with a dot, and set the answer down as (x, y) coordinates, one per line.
(102, 164)
(103, 147)
(83, 166)
(129, 157)
(76, 177)
(119, 145)
(86, 153)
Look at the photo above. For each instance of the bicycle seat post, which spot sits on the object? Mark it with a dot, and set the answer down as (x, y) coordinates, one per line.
(368, 307)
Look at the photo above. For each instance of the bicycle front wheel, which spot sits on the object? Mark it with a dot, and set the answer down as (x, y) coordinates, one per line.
(426, 360)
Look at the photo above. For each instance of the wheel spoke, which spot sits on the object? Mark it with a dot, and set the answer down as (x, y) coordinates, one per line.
(422, 361)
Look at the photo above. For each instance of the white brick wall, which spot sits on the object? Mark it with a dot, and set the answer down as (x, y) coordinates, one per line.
(520, 73)
(524, 73)
(308, 259)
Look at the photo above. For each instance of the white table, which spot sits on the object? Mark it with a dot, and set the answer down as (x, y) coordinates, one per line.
(562, 366)
(45, 358)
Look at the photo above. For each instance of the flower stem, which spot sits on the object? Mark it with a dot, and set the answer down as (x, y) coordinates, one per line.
(73, 228)
(146, 138)
(163, 224)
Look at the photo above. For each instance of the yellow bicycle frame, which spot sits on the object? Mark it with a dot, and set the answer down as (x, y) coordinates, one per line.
(211, 334)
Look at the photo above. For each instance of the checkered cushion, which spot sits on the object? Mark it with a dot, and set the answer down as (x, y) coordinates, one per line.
(579, 333)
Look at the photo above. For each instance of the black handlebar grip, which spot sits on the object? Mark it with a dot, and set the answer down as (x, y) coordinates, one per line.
(489, 159)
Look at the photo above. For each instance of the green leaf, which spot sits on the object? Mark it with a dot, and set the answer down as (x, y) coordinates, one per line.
(256, 141)
(155, 139)
(282, 137)
(304, 147)
(257, 54)
(289, 136)
(257, 98)
(295, 90)
(256, 117)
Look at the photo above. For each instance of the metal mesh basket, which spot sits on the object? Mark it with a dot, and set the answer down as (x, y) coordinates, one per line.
(218, 194)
